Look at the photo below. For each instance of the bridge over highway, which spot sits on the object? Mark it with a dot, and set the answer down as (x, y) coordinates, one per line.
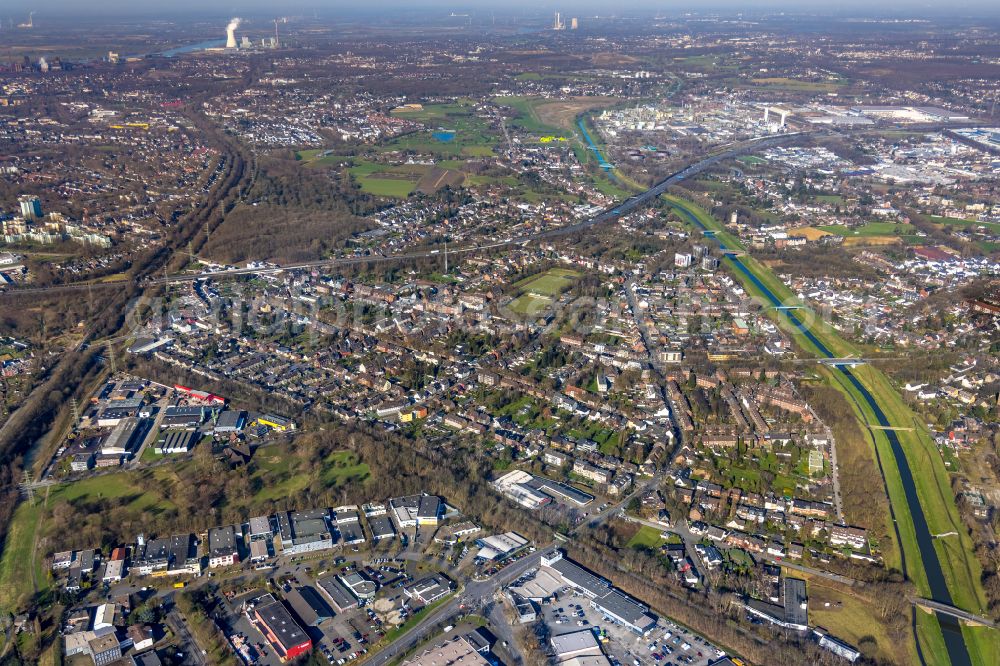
(607, 215)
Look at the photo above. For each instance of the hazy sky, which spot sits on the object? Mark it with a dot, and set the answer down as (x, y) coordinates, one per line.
(173, 8)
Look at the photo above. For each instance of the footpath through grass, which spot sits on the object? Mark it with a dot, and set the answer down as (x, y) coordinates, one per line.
(959, 566)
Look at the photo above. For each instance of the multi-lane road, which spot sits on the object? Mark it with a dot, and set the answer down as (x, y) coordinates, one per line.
(608, 215)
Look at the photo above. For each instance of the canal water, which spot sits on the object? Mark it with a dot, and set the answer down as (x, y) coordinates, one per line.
(603, 163)
(950, 628)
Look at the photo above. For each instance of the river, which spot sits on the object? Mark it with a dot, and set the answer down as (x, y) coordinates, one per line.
(187, 48)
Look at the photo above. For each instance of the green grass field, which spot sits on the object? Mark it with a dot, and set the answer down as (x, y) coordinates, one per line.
(473, 136)
(387, 187)
(387, 180)
(848, 617)
(647, 538)
(536, 292)
(994, 227)
(527, 118)
(973, 226)
(550, 283)
(18, 558)
(340, 467)
(870, 229)
(145, 493)
(529, 304)
(830, 199)
(318, 157)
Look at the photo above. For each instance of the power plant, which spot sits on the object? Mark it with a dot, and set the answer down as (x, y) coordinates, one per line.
(782, 113)
(231, 33)
(30, 23)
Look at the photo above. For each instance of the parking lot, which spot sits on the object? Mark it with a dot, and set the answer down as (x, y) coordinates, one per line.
(667, 644)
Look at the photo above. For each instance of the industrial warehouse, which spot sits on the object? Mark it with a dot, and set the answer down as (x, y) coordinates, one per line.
(617, 606)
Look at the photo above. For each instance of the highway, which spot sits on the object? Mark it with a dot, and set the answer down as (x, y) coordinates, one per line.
(607, 215)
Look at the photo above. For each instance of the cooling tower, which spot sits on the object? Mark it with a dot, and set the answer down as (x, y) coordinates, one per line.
(231, 33)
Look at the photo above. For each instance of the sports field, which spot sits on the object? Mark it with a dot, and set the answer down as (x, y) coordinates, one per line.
(536, 292)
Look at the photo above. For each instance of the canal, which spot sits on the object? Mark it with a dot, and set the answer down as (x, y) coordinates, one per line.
(603, 163)
(950, 627)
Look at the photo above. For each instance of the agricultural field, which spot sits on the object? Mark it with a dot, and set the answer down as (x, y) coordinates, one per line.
(992, 227)
(527, 119)
(401, 180)
(870, 229)
(809, 233)
(783, 83)
(545, 117)
(874, 233)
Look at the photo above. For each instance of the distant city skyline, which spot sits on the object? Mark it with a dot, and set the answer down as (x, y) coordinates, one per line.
(198, 9)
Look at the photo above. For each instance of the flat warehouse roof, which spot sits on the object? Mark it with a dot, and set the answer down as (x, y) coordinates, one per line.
(222, 540)
(796, 610)
(580, 577)
(310, 526)
(350, 532)
(624, 608)
(381, 526)
(561, 490)
(260, 525)
(577, 641)
(338, 592)
(277, 618)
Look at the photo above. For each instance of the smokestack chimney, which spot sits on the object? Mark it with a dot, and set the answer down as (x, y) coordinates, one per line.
(231, 33)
